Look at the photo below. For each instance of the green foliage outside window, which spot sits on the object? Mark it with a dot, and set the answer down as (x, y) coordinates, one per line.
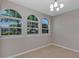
(11, 13)
(32, 25)
(12, 25)
(32, 17)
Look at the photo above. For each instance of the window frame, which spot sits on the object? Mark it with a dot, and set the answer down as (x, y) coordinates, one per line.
(4, 10)
(4, 17)
(36, 27)
(45, 28)
(13, 18)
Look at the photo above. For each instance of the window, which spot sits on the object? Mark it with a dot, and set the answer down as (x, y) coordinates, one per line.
(44, 25)
(10, 13)
(32, 24)
(10, 22)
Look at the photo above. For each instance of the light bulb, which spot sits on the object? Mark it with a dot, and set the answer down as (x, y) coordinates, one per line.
(51, 6)
(61, 5)
(51, 9)
(57, 9)
(55, 4)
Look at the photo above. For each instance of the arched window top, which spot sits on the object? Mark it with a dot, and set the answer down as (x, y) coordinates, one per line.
(44, 21)
(11, 13)
(32, 17)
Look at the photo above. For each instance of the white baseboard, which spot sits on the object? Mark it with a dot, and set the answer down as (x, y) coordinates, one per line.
(77, 51)
(29, 50)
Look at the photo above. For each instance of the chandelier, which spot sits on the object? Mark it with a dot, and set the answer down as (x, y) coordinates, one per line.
(56, 5)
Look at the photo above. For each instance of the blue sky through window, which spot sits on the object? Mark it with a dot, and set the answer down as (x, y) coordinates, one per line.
(5, 23)
(44, 21)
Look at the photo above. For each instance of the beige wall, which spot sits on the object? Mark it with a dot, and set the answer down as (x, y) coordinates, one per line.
(0, 3)
(66, 29)
(11, 45)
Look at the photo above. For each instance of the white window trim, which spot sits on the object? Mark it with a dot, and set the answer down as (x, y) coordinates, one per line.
(36, 34)
(10, 36)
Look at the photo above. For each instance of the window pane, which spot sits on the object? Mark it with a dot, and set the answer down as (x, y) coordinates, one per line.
(18, 32)
(5, 31)
(32, 17)
(32, 25)
(10, 26)
(44, 25)
(32, 28)
(11, 13)
(5, 22)
(10, 31)
(44, 31)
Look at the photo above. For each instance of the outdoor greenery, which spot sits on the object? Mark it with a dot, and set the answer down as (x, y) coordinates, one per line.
(10, 26)
(32, 24)
(32, 17)
(11, 13)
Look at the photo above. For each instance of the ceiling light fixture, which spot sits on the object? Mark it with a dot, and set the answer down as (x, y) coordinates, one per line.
(56, 6)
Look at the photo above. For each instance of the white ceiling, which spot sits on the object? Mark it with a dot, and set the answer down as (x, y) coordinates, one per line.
(43, 5)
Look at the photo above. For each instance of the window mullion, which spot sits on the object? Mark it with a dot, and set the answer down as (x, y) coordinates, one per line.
(0, 31)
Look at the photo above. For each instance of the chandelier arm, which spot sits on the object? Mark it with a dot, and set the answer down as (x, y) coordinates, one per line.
(56, 6)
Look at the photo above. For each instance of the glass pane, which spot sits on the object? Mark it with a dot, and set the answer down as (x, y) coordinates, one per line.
(32, 28)
(18, 32)
(5, 22)
(32, 31)
(10, 26)
(11, 13)
(44, 21)
(44, 31)
(32, 17)
(10, 31)
(34, 25)
(5, 31)
(44, 25)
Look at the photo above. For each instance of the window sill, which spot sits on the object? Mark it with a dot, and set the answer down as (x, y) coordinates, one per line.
(10, 36)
